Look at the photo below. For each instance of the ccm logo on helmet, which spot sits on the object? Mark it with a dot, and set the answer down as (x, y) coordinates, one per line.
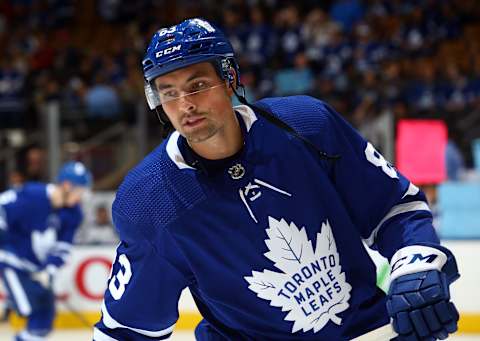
(168, 51)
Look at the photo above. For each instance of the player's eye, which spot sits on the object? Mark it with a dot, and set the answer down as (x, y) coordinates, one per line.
(198, 86)
(169, 94)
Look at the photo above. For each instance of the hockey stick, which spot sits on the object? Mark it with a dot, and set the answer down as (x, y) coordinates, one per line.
(383, 333)
(77, 314)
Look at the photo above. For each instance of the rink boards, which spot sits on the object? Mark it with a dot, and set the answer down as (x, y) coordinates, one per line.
(80, 286)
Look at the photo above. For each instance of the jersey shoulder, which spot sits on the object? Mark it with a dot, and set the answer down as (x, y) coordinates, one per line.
(153, 194)
(306, 114)
(30, 196)
(37, 190)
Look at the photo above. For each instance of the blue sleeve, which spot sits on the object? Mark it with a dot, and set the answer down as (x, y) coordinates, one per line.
(141, 301)
(389, 211)
(70, 219)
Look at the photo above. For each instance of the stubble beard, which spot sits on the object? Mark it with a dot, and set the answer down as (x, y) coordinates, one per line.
(202, 134)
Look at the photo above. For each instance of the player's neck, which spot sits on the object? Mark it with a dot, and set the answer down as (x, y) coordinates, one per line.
(225, 143)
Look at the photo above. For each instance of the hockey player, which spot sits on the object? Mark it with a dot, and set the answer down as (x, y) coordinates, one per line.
(262, 211)
(37, 225)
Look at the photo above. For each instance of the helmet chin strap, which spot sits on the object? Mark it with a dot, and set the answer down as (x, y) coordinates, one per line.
(279, 123)
(165, 124)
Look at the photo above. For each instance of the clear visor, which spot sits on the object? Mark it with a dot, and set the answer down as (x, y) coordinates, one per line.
(169, 94)
(152, 96)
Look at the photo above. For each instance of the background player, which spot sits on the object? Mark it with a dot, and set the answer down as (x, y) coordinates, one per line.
(261, 211)
(37, 225)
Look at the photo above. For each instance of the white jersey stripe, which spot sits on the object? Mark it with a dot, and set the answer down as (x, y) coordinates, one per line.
(3, 219)
(412, 190)
(247, 114)
(111, 323)
(174, 152)
(16, 262)
(399, 209)
(98, 335)
(18, 293)
(63, 246)
(27, 336)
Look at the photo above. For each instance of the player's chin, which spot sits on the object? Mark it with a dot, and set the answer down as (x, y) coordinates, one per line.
(199, 134)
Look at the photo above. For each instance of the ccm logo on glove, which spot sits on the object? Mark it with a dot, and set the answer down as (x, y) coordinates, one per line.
(417, 258)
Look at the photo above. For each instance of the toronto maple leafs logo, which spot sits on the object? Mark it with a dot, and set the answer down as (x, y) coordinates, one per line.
(311, 285)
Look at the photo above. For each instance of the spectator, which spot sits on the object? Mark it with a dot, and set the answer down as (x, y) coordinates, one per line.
(102, 100)
(296, 80)
(100, 231)
(259, 40)
(422, 93)
(347, 13)
(288, 25)
(317, 33)
(409, 45)
(31, 165)
(454, 161)
(13, 102)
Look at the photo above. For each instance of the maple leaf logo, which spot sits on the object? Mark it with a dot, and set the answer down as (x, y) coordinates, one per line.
(311, 286)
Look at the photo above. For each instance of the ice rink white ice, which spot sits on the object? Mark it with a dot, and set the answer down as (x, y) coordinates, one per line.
(86, 335)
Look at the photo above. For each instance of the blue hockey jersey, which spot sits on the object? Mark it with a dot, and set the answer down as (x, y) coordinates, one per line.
(270, 242)
(33, 234)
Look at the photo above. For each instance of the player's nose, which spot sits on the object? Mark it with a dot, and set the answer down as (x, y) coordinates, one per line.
(186, 104)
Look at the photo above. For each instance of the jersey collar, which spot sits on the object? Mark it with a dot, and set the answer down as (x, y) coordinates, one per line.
(176, 152)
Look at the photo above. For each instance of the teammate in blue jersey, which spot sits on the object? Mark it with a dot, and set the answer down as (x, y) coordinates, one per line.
(37, 225)
(263, 211)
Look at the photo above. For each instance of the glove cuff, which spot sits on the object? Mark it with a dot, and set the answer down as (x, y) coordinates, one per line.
(416, 258)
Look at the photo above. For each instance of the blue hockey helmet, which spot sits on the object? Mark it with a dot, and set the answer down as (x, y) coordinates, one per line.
(190, 42)
(76, 173)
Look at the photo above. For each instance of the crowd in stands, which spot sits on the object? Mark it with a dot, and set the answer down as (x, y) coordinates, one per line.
(413, 58)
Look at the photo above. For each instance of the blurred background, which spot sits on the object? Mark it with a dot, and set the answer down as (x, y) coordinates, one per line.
(406, 73)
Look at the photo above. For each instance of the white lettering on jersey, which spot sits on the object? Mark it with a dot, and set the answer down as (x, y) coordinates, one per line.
(122, 277)
(310, 285)
(252, 192)
(378, 160)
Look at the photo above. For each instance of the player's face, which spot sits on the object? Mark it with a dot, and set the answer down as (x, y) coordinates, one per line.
(65, 194)
(197, 101)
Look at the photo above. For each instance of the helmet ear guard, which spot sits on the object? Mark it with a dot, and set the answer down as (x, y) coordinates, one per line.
(229, 71)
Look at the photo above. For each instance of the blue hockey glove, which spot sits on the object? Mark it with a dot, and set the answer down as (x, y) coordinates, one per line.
(419, 297)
